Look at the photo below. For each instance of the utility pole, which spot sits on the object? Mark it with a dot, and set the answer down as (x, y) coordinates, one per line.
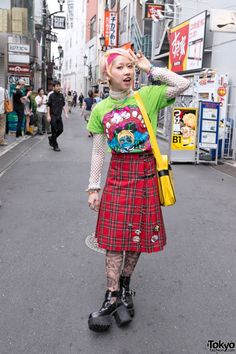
(43, 77)
(44, 34)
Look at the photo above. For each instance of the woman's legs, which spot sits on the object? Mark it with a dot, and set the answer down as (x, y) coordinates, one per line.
(131, 259)
(114, 261)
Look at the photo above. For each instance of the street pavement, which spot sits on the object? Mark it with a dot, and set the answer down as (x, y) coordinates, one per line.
(50, 280)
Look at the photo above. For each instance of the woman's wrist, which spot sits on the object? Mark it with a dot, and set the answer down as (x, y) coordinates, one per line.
(92, 190)
(150, 73)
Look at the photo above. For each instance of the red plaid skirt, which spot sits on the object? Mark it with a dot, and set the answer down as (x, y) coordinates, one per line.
(130, 217)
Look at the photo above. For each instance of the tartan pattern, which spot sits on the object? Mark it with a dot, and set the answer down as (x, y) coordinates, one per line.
(130, 216)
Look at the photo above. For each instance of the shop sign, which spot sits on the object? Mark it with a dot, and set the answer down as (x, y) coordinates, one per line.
(222, 20)
(111, 28)
(209, 124)
(18, 48)
(184, 128)
(59, 22)
(13, 79)
(152, 10)
(187, 44)
(19, 69)
(18, 58)
(51, 37)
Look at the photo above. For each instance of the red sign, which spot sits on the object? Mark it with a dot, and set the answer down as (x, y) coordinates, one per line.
(152, 10)
(186, 44)
(19, 69)
(111, 28)
(178, 48)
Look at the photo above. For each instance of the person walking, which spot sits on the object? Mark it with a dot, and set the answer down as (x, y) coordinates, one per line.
(3, 95)
(56, 104)
(130, 219)
(69, 100)
(75, 96)
(81, 99)
(87, 108)
(41, 112)
(19, 105)
(28, 111)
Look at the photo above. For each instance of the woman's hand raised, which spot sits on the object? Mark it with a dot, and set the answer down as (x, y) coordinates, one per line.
(141, 61)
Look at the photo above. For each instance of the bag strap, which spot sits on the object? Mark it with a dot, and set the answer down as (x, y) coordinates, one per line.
(153, 140)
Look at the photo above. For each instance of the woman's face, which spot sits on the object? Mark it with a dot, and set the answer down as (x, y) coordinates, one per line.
(122, 74)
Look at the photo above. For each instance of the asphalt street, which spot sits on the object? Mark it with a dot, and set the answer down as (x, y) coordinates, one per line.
(50, 280)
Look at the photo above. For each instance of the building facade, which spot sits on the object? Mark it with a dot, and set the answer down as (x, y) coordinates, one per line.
(74, 43)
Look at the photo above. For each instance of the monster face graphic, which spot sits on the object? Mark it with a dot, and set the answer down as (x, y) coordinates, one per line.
(126, 131)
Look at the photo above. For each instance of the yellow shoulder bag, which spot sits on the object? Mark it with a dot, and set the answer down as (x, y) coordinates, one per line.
(165, 174)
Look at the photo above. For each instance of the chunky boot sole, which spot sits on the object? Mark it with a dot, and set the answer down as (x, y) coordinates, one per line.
(122, 316)
(131, 312)
(100, 324)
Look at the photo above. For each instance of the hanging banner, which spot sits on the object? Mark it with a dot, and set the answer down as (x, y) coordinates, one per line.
(111, 28)
(209, 124)
(187, 43)
(184, 129)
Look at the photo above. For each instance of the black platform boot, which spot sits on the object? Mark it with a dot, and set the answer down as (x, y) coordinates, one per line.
(101, 320)
(126, 294)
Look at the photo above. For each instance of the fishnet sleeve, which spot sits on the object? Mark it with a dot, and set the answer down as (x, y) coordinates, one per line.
(98, 154)
(176, 84)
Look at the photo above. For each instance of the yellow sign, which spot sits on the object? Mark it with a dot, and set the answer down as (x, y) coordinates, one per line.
(184, 128)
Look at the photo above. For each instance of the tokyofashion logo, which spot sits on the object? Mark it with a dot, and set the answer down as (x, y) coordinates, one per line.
(220, 346)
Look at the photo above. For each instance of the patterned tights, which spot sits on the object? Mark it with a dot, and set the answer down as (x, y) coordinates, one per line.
(114, 263)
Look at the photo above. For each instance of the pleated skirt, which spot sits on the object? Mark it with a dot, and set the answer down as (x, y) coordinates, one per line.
(130, 216)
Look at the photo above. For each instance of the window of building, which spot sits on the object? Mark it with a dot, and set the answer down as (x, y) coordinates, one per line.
(70, 42)
(93, 23)
(123, 19)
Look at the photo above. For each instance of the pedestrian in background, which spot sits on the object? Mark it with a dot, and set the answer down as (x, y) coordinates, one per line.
(56, 104)
(19, 105)
(75, 96)
(41, 112)
(81, 100)
(87, 108)
(3, 95)
(130, 219)
(69, 100)
(28, 110)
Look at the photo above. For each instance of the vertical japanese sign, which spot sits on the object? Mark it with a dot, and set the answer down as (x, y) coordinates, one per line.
(184, 129)
(187, 44)
(110, 28)
(209, 124)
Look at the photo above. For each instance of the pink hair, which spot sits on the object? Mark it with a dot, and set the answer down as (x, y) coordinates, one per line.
(108, 57)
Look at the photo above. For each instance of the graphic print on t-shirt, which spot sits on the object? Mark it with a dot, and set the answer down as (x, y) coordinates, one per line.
(126, 131)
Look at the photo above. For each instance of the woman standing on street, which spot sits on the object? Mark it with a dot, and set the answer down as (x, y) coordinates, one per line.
(130, 219)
